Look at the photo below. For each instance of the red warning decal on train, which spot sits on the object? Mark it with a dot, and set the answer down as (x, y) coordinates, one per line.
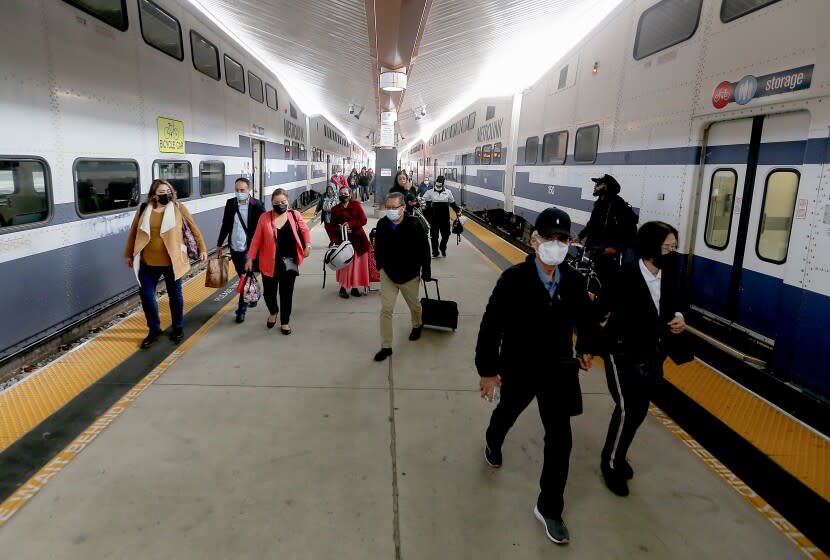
(723, 95)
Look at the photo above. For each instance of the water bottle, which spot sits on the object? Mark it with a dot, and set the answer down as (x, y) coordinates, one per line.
(496, 393)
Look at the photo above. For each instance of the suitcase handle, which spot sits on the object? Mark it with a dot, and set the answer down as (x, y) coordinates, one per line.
(436, 288)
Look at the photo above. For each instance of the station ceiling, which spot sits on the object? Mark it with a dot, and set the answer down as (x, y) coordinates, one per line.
(329, 53)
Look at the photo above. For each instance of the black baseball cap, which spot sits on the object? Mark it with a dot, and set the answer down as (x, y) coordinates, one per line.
(610, 182)
(553, 220)
(439, 180)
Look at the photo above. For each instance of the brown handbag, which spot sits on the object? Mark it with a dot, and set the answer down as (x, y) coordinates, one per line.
(217, 272)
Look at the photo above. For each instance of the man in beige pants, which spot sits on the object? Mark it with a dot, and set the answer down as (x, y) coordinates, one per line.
(402, 255)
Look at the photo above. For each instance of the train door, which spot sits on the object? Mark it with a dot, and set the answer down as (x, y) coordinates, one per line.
(751, 173)
(328, 169)
(465, 161)
(257, 169)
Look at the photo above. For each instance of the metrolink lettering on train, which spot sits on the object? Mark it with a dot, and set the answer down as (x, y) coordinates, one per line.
(294, 132)
(490, 131)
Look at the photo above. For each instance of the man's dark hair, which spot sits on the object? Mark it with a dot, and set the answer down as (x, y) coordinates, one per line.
(650, 238)
(243, 180)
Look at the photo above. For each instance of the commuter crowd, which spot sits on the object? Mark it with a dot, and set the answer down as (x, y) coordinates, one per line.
(525, 348)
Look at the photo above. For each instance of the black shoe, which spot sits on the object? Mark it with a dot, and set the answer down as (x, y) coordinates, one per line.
(253, 304)
(492, 457)
(443, 252)
(383, 354)
(151, 338)
(555, 529)
(285, 331)
(614, 480)
(416, 333)
(435, 255)
(270, 324)
(343, 293)
(355, 292)
(178, 334)
(240, 317)
(624, 469)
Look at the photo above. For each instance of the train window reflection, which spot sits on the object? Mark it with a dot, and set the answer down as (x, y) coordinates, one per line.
(554, 146)
(295, 151)
(733, 9)
(531, 150)
(271, 96)
(205, 56)
(777, 216)
(211, 177)
(234, 74)
(477, 160)
(497, 154)
(106, 185)
(721, 204)
(666, 24)
(486, 153)
(177, 173)
(24, 197)
(287, 145)
(160, 29)
(255, 87)
(585, 145)
(113, 12)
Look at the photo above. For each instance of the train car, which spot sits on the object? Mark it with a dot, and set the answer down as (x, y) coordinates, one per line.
(331, 152)
(97, 100)
(713, 115)
(470, 152)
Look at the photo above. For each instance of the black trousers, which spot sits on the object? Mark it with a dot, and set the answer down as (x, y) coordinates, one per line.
(515, 396)
(442, 227)
(632, 387)
(285, 284)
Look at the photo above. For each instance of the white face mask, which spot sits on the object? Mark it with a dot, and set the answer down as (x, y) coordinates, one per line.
(393, 215)
(552, 253)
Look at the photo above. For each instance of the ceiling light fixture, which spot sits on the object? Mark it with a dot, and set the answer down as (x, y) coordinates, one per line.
(392, 81)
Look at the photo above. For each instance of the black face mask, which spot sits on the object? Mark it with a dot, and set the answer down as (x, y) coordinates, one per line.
(280, 208)
(163, 199)
(667, 261)
(343, 197)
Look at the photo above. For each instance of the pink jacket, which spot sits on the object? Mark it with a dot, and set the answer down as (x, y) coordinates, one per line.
(264, 243)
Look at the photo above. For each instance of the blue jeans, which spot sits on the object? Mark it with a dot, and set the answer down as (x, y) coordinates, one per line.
(239, 258)
(149, 276)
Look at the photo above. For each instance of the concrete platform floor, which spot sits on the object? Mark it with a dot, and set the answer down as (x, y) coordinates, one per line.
(259, 445)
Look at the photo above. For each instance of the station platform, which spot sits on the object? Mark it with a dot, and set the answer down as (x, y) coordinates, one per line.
(245, 443)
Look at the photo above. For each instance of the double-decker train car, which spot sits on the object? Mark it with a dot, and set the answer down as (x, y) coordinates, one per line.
(97, 100)
(330, 152)
(713, 115)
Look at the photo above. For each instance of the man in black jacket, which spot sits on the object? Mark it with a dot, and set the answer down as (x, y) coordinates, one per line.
(529, 321)
(439, 200)
(402, 255)
(239, 224)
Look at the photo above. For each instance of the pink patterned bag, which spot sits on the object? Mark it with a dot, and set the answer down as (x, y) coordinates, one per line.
(252, 291)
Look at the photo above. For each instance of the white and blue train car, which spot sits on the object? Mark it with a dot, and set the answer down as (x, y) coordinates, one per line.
(331, 151)
(714, 116)
(470, 151)
(97, 99)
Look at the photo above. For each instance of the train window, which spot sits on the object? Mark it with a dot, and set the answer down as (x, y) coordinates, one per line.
(733, 9)
(585, 145)
(777, 216)
(205, 56)
(292, 110)
(160, 29)
(113, 12)
(271, 96)
(177, 173)
(477, 160)
(24, 192)
(531, 150)
(497, 154)
(666, 24)
(105, 185)
(563, 77)
(287, 145)
(211, 177)
(554, 147)
(234, 74)
(303, 153)
(255, 87)
(491, 112)
(721, 204)
(486, 154)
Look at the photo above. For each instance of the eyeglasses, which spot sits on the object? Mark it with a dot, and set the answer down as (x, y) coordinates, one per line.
(393, 207)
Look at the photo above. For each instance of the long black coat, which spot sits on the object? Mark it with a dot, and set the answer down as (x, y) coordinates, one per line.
(528, 337)
(637, 330)
(255, 210)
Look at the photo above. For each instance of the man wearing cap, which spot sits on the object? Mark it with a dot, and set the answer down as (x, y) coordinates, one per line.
(439, 201)
(611, 228)
(525, 346)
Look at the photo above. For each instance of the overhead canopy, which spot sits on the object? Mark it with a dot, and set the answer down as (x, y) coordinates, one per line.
(330, 53)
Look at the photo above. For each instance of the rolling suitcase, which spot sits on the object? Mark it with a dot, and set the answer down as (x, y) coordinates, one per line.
(440, 313)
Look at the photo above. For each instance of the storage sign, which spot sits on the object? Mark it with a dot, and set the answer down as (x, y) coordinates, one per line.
(171, 135)
(750, 87)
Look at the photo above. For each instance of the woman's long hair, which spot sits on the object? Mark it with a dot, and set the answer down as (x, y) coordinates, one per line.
(405, 176)
(151, 196)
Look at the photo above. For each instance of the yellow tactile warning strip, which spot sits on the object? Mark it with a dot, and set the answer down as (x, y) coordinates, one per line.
(800, 451)
(806, 546)
(24, 405)
(507, 250)
(36, 483)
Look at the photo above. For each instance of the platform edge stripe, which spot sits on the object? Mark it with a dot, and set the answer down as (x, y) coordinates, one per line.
(27, 403)
(509, 252)
(760, 505)
(38, 481)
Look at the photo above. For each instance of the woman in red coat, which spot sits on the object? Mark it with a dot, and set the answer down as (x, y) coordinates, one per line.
(351, 213)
